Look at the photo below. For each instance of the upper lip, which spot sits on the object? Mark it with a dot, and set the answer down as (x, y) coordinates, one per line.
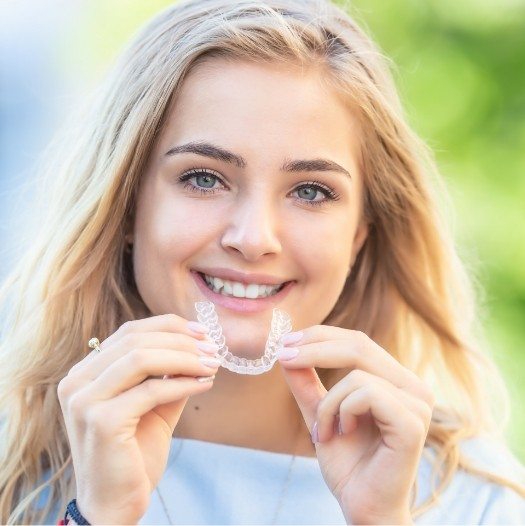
(234, 275)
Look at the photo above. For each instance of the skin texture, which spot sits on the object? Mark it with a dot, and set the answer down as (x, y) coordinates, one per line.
(257, 220)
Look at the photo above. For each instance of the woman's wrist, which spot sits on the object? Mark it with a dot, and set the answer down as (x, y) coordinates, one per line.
(399, 518)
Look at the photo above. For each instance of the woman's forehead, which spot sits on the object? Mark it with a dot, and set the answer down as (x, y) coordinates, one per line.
(262, 108)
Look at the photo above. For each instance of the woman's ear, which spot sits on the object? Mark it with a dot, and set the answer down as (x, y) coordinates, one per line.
(359, 240)
(128, 230)
(128, 247)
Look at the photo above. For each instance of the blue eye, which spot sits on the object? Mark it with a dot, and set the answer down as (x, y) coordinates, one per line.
(314, 188)
(205, 181)
(202, 177)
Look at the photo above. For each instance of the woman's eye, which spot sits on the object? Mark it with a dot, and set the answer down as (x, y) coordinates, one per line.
(310, 191)
(204, 181)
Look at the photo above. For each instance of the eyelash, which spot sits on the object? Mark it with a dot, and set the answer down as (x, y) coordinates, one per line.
(328, 192)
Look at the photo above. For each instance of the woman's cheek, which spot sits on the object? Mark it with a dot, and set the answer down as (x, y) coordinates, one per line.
(329, 255)
(182, 221)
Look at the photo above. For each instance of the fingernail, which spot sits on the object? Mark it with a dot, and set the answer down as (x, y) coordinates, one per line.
(205, 378)
(291, 337)
(210, 348)
(315, 434)
(195, 326)
(287, 354)
(209, 362)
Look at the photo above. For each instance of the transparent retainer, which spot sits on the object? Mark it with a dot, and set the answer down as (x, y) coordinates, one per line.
(281, 325)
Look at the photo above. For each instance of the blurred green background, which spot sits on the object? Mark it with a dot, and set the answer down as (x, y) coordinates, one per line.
(460, 69)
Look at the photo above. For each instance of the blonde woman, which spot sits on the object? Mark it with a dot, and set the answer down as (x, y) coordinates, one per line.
(248, 148)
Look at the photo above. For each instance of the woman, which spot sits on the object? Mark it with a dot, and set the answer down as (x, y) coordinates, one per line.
(240, 144)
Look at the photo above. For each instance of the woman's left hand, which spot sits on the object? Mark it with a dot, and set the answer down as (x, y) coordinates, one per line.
(384, 411)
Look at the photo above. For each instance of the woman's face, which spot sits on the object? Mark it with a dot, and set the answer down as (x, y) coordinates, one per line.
(256, 172)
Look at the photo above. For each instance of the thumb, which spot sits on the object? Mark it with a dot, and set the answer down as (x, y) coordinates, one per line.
(307, 389)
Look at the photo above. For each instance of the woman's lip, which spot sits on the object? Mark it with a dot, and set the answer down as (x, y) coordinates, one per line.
(241, 304)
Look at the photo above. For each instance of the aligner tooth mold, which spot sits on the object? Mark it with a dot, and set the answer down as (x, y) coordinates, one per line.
(281, 325)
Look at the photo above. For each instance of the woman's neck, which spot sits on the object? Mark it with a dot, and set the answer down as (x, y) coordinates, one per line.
(252, 411)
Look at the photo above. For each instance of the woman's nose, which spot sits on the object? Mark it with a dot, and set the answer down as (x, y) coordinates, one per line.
(252, 229)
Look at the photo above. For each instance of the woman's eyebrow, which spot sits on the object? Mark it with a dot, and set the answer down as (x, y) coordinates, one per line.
(213, 151)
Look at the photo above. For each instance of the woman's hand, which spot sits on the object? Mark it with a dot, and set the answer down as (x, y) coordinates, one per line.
(120, 413)
(384, 412)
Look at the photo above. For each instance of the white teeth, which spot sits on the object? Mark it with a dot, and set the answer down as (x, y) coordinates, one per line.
(239, 290)
(228, 289)
(252, 290)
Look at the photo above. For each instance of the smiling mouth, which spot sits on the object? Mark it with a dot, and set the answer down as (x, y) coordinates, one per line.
(234, 289)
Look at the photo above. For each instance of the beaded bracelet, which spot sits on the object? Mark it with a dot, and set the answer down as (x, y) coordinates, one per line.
(73, 515)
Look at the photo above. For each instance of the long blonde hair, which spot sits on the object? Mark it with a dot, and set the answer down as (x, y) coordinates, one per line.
(408, 290)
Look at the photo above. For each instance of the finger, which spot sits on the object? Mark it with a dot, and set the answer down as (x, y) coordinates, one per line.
(400, 428)
(318, 348)
(308, 391)
(170, 323)
(161, 323)
(138, 365)
(135, 341)
(329, 416)
(157, 339)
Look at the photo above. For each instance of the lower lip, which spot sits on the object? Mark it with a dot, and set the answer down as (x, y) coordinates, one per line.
(241, 304)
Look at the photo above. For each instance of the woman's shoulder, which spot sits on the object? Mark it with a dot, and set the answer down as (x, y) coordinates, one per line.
(472, 498)
(493, 455)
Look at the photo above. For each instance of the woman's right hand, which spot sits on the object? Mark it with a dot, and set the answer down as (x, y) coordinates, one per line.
(120, 413)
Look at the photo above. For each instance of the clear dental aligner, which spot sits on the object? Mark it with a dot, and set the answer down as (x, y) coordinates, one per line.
(281, 325)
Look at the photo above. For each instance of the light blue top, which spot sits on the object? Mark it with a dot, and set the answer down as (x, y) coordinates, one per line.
(208, 483)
